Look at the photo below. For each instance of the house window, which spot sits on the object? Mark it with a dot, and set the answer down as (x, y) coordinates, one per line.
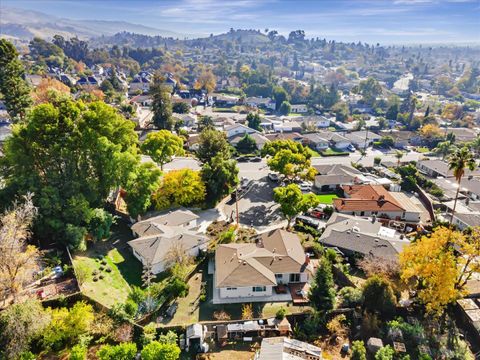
(403, 215)
(259, 288)
(231, 288)
(294, 277)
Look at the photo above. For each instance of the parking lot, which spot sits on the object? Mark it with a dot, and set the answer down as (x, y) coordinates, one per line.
(256, 206)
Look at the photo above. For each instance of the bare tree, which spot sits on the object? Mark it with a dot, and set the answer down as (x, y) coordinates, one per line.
(177, 254)
(18, 259)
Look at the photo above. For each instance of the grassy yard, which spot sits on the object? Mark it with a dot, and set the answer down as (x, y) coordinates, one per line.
(334, 152)
(422, 149)
(114, 286)
(326, 198)
(313, 152)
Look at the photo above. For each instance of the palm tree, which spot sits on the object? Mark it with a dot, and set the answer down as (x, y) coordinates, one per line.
(444, 148)
(399, 155)
(461, 160)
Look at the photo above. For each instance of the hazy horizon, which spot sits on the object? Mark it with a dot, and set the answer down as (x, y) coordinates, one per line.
(406, 22)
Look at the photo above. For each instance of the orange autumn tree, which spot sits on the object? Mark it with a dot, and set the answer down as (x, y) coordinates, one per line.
(437, 271)
(430, 131)
(42, 93)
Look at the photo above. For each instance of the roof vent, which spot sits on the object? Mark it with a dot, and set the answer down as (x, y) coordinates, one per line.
(244, 263)
(349, 232)
(356, 229)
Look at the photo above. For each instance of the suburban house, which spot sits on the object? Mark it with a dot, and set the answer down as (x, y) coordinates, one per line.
(299, 108)
(260, 140)
(336, 140)
(86, 81)
(462, 135)
(402, 138)
(332, 177)
(287, 126)
(275, 348)
(362, 139)
(162, 235)
(436, 168)
(222, 100)
(315, 141)
(140, 83)
(260, 102)
(285, 136)
(375, 200)
(188, 120)
(466, 220)
(274, 268)
(316, 121)
(239, 129)
(366, 237)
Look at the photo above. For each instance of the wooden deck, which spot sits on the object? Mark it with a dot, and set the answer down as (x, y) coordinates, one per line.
(299, 293)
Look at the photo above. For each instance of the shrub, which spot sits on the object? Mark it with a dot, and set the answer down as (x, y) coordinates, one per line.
(131, 308)
(280, 315)
(358, 351)
(247, 311)
(78, 352)
(378, 295)
(350, 296)
(177, 288)
(221, 315)
(385, 353)
(158, 351)
(124, 351)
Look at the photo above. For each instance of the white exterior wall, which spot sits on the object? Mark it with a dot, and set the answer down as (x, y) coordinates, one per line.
(342, 144)
(299, 108)
(244, 292)
(407, 216)
(239, 130)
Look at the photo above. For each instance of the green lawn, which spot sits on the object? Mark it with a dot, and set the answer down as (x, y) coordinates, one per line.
(295, 114)
(126, 270)
(331, 151)
(422, 149)
(313, 152)
(326, 198)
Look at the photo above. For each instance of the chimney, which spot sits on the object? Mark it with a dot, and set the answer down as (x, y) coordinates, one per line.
(307, 259)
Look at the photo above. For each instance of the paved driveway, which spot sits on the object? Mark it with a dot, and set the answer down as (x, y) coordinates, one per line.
(257, 207)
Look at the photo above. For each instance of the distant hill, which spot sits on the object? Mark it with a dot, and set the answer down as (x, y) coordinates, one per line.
(25, 24)
(244, 36)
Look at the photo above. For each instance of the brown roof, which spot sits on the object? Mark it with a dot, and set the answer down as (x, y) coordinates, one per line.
(367, 198)
(255, 264)
(284, 136)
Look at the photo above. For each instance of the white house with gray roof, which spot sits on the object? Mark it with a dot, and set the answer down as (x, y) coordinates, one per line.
(160, 235)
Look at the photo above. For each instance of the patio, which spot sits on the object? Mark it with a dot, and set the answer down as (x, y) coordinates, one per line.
(285, 297)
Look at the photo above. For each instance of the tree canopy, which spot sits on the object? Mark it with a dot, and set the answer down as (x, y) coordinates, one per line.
(183, 187)
(289, 158)
(162, 146)
(438, 266)
(322, 292)
(13, 87)
(70, 155)
(292, 201)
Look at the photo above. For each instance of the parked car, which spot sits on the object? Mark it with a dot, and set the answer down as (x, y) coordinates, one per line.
(316, 214)
(242, 158)
(274, 177)
(305, 186)
(306, 220)
(245, 183)
(255, 159)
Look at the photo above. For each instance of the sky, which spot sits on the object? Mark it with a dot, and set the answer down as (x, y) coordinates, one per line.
(383, 21)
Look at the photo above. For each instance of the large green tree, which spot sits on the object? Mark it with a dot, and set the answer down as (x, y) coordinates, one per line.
(246, 145)
(370, 89)
(292, 201)
(70, 155)
(212, 143)
(289, 158)
(378, 295)
(220, 176)
(13, 88)
(161, 104)
(162, 146)
(254, 121)
(142, 183)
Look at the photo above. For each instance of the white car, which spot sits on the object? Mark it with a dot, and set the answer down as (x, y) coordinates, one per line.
(305, 186)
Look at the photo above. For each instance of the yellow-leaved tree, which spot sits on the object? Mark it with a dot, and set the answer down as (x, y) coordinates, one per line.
(438, 266)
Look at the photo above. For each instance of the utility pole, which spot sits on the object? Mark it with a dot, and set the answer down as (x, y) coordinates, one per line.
(236, 203)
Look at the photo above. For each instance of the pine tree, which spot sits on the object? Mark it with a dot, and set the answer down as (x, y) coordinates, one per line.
(162, 104)
(322, 293)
